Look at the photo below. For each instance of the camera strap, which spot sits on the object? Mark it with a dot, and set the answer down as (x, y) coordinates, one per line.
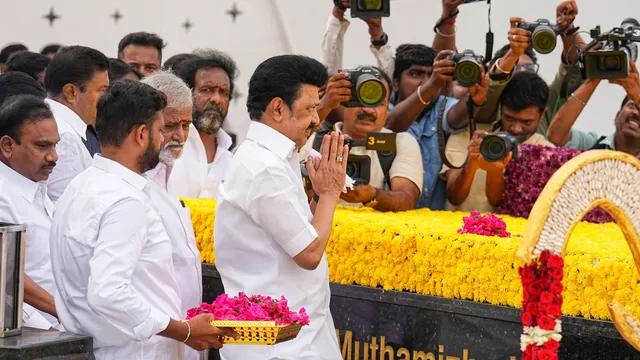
(442, 144)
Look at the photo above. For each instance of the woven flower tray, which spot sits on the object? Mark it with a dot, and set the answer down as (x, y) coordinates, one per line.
(258, 332)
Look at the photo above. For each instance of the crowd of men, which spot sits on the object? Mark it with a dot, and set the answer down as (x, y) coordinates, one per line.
(96, 152)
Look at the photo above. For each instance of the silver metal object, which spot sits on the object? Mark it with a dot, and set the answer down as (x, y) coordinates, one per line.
(12, 247)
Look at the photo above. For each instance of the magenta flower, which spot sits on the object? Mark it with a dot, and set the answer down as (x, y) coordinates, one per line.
(253, 308)
(527, 176)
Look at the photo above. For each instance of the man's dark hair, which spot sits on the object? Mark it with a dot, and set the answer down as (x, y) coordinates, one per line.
(51, 48)
(173, 61)
(9, 50)
(124, 105)
(408, 55)
(119, 69)
(503, 51)
(624, 102)
(73, 65)
(207, 59)
(282, 76)
(142, 39)
(524, 90)
(16, 83)
(20, 109)
(30, 63)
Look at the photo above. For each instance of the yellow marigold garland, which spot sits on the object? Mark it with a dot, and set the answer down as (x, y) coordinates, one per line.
(420, 251)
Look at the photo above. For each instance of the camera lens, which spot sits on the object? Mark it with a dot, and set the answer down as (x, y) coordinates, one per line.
(467, 72)
(493, 148)
(610, 63)
(352, 169)
(370, 5)
(371, 91)
(543, 39)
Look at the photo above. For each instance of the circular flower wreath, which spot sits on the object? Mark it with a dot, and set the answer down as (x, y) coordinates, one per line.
(542, 307)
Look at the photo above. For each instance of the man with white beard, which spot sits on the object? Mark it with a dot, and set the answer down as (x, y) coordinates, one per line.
(206, 155)
(176, 218)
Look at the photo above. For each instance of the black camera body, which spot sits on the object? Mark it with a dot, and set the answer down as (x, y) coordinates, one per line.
(370, 8)
(359, 166)
(467, 67)
(496, 147)
(367, 88)
(617, 48)
(543, 35)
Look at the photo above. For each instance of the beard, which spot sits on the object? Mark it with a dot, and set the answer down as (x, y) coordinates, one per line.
(150, 158)
(209, 119)
(168, 154)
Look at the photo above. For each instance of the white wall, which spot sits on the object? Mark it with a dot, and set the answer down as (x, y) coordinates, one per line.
(271, 27)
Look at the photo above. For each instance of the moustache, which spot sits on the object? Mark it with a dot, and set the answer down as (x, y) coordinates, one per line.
(174, 143)
(363, 115)
(215, 107)
(50, 165)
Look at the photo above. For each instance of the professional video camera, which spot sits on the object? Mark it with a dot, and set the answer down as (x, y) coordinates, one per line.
(543, 35)
(467, 67)
(359, 166)
(617, 48)
(366, 87)
(496, 147)
(370, 8)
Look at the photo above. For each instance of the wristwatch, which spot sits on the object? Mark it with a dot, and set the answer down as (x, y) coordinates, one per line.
(382, 42)
(373, 202)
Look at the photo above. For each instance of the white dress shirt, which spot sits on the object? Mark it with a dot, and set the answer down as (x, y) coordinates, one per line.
(112, 264)
(25, 202)
(262, 221)
(333, 48)
(73, 156)
(186, 257)
(192, 176)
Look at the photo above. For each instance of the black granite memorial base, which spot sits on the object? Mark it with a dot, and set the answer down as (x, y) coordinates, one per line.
(34, 344)
(376, 324)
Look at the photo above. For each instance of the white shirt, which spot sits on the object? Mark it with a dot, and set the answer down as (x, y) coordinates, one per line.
(263, 221)
(25, 202)
(112, 264)
(73, 156)
(186, 257)
(333, 48)
(192, 176)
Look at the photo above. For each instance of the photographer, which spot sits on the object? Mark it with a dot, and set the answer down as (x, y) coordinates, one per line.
(626, 138)
(479, 184)
(520, 57)
(395, 188)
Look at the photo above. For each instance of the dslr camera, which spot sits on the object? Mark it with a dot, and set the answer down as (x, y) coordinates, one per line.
(359, 166)
(467, 67)
(496, 147)
(543, 35)
(617, 48)
(370, 8)
(367, 88)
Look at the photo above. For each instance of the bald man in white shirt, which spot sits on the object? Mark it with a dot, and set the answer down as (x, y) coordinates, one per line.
(175, 217)
(111, 256)
(268, 240)
(28, 136)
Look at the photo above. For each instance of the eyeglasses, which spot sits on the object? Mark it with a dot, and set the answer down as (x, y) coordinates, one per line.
(528, 67)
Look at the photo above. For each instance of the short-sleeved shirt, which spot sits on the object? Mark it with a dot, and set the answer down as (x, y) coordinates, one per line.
(582, 140)
(425, 131)
(406, 164)
(262, 221)
(457, 154)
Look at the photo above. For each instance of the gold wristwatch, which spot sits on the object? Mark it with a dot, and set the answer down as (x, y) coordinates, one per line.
(373, 202)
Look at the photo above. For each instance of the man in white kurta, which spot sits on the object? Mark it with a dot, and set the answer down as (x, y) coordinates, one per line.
(27, 140)
(175, 217)
(111, 256)
(264, 228)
